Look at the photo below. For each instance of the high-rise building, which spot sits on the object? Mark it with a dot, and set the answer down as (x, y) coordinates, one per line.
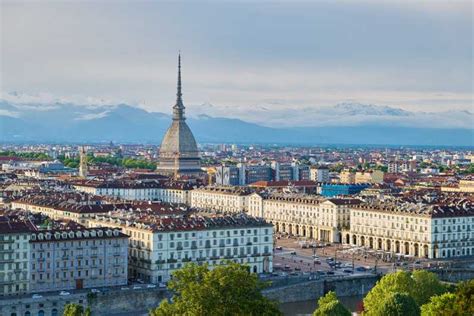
(319, 174)
(179, 154)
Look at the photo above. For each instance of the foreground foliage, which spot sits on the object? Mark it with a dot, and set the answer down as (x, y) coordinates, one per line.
(399, 304)
(226, 290)
(76, 310)
(420, 285)
(329, 305)
(459, 303)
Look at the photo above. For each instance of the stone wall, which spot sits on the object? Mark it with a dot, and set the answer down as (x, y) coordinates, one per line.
(311, 290)
(454, 274)
(113, 301)
(127, 301)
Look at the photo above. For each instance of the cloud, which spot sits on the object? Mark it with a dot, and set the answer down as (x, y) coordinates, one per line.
(278, 56)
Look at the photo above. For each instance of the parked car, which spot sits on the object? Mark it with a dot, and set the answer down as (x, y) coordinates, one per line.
(330, 272)
(150, 286)
(95, 291)
(162, 285)
(297, 269)
(279, 248)
(293, 253)
(347, 271)
(64, 293)
(316, 261)
(361, 269)
(36, 296)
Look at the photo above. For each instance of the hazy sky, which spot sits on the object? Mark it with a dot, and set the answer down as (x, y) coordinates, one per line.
(242, 54)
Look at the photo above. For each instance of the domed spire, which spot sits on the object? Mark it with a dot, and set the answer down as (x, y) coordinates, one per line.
(178, 108)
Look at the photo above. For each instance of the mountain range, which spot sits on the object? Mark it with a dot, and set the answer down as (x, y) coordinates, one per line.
(346, 123)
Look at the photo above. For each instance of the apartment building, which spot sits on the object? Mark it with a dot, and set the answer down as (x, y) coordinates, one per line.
(441, 229)
(159, 245)
(141, 190)
(319, 174)
(76, 259)
(309, 216)
(76, 207)
(14, 256)
(220, 198)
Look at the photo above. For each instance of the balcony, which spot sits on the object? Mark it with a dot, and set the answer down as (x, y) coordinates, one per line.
(186, 260)
(160, 261)
(171, 260)
(201, 259)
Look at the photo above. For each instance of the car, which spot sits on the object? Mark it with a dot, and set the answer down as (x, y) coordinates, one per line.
(315, 256)
(330, 272)
(417, 262)
(293, 253)
(329, 259)
(361, 269)
(137, 287)
(162, 285)
(316, 261)
(36, 296)
(150, 286)
(321, 272)
(64, 293)
(140, 281)
(95, 291)
(287, 267)
(279, 248)
(347, 271)
(294, 273)
(297, 269)
(304, 246)
(125, 289)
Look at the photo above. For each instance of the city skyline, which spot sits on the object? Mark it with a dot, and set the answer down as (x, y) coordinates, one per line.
(275, 59)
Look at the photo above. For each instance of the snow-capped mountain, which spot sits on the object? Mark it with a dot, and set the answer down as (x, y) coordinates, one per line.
(24, 118)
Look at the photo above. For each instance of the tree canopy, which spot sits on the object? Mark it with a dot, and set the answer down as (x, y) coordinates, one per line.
(76, 310)
(228, 289)
(458, 303)
(329, 305)
(398, 304)
(420, 285)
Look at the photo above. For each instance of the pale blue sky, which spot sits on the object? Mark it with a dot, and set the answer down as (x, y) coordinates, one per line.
(237, 55)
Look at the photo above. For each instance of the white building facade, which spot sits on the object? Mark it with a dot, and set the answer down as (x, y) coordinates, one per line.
(158, 249)
(429, 231)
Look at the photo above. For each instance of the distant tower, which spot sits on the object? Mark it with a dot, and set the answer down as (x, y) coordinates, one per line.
(82, 162)
(179, 154)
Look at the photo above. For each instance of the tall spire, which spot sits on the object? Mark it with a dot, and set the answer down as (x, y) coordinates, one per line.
(178, 108)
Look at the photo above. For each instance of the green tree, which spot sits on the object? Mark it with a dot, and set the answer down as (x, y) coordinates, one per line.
(228, 289)
(76, 310)
(426, 285)
(329, 305)
(420, 285)
(440, 305)
(458, 303)
(398, 304)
